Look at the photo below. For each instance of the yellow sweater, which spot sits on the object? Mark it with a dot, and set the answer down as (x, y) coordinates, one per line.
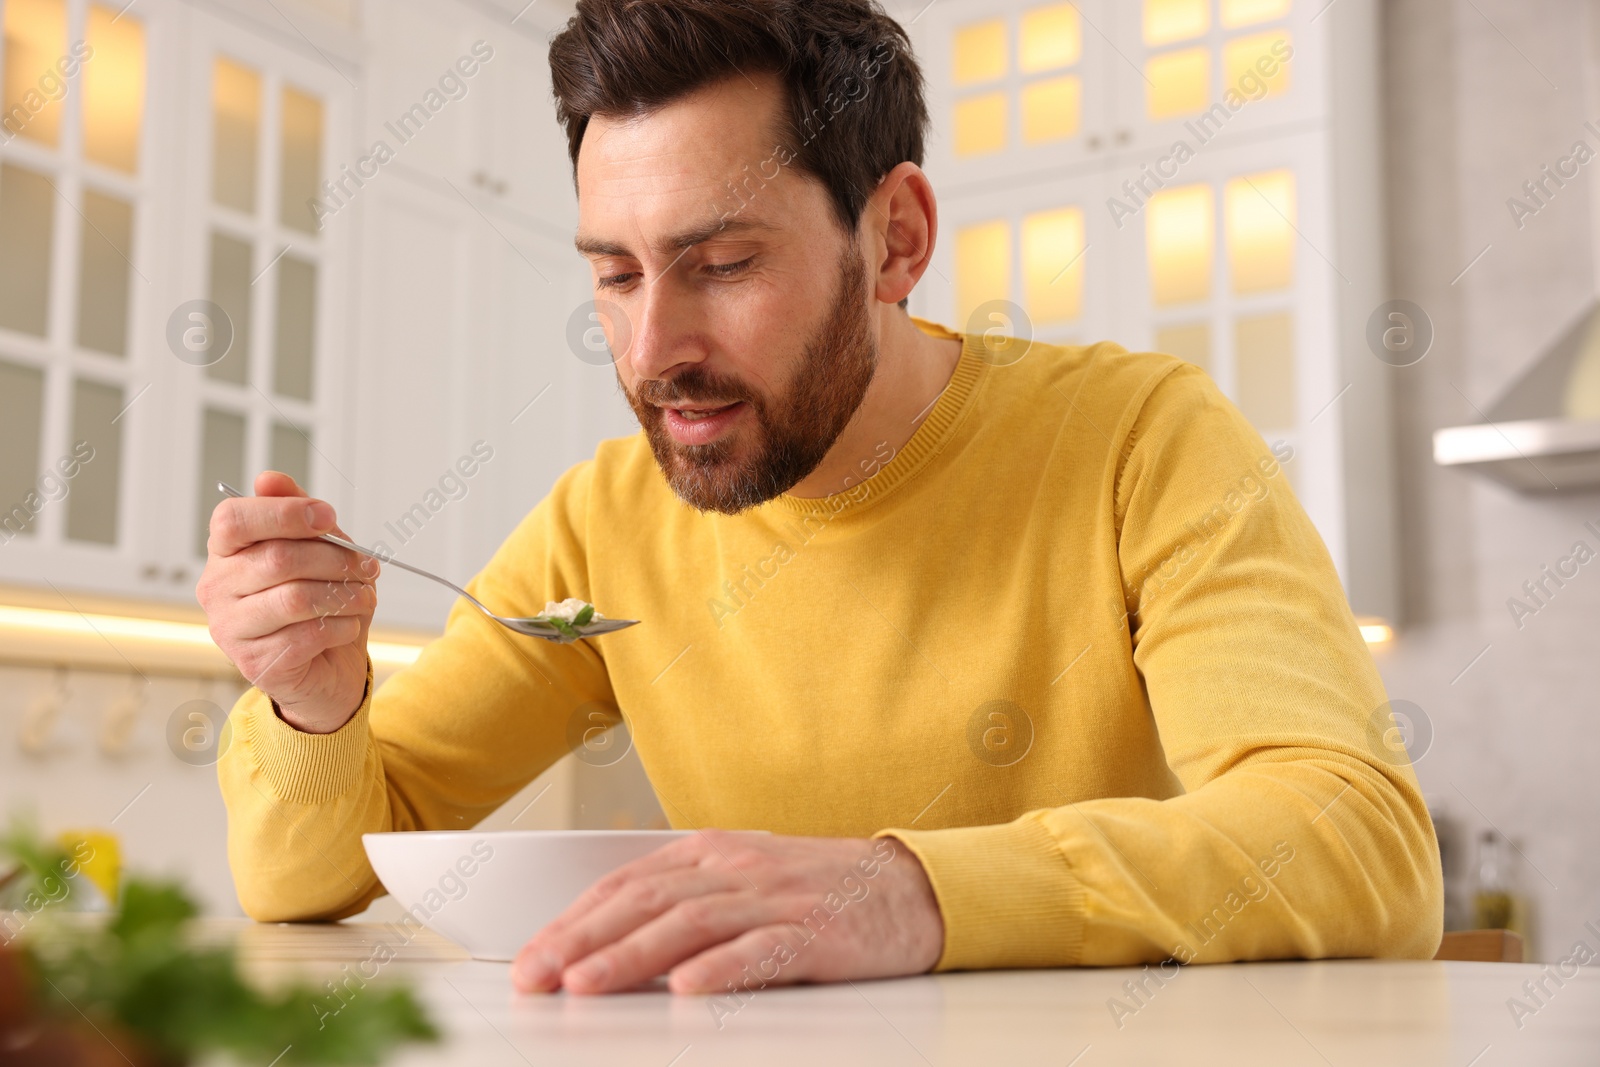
(1076, 645)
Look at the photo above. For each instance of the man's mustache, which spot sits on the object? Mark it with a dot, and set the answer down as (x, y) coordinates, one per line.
(695, 386)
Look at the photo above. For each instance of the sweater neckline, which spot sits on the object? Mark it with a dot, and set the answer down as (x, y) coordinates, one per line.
(929, 439)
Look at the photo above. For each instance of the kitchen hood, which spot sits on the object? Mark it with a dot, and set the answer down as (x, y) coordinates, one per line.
(1543, 434)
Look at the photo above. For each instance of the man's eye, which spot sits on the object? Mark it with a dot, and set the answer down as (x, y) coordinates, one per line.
(728, 270)
(612, 281)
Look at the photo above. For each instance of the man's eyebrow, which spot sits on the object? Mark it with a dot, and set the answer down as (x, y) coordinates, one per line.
(678, 242)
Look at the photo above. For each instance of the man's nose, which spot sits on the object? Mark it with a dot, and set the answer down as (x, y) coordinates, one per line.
(665, 326)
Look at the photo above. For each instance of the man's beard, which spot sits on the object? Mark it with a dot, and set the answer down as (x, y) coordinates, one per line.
(792, 433)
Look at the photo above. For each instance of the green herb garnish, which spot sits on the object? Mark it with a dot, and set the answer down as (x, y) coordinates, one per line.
(162, 1001)
(563, 627)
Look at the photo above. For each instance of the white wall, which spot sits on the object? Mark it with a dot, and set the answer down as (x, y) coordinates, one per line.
(1480, 94)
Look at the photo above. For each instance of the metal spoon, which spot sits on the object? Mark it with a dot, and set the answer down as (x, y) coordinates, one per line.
(530, 627)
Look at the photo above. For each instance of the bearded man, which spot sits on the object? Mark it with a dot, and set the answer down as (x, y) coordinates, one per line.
(1037, 634)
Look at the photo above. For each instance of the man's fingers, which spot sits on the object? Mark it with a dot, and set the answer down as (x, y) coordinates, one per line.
(271, 610)
(269, 563)
(237, 523)
(577, 933)
(779, 954)
(682, 931)
(276, 483)
(287, 650)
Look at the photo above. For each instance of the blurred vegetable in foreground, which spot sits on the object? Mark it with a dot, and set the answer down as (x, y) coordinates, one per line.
(134, 990)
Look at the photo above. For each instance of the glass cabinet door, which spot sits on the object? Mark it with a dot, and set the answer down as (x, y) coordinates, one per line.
(259, 272)
(75, 276)
(134, 234)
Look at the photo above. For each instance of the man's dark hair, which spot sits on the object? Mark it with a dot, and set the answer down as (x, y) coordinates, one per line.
(855, 106)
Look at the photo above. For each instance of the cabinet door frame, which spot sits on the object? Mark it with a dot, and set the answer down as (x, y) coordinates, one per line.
(933, 37)
(1098, 316)
(333, 248)
(137, 563)
(1305, 103)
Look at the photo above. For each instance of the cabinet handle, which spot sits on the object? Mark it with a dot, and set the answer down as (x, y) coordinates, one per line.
(150, 571)
(1093, 142)
(179, 574)
(1123, 136)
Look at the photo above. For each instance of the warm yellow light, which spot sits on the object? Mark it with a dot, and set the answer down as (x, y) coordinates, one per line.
(1178, 83)
(979, 53)
(1052, 264)
(1245, 12)
(1050, 109)
(1245, 58)
(1376, 633)
(980, 125)
(188, 634)
(113, 90)
(1050, 38)
(35, 41)
(1180, 236)
(1260, 226)
(1166, 21)
(983, 266)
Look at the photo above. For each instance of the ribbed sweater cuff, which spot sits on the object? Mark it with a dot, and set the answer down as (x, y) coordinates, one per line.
(1006, 893)
(304, 768)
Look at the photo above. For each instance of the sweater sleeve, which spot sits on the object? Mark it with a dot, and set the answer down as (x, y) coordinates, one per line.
(1300, 832)
(439, 746)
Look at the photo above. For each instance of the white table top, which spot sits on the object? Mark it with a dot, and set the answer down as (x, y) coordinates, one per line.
(1364, 1013)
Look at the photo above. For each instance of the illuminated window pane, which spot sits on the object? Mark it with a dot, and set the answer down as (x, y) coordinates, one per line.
(980, 52)
(291, 453)
(92, 504)
(230, 290)
(113, 90)
(1263, 347)
(235, 133)
(1051, 240)
(1166, 21)
(35, 41)
(21, 425)
(1253, 66)
(983, 266)
(1050, 109)
(1247, 12)
(1051, 37)
(27, 222)
(1178, 83)
(221, 460)
(301, 167)
(104, 266)
(1191, 341)
(1180, 236)
(295, 327)
(1261, 211)
(980, 125)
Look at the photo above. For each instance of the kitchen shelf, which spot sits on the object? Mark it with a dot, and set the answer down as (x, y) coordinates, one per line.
(1541, 435)
(1528, 455)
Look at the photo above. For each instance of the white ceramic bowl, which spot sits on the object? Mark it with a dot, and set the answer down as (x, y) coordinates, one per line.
(489, 891)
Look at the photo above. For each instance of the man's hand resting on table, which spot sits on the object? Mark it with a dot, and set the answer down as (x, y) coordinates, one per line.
(291, 612)
(707, 907)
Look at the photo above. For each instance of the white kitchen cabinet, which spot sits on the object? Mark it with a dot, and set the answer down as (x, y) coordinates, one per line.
(380, 335)
(1228, 218)
(118, 210)
(469, 280)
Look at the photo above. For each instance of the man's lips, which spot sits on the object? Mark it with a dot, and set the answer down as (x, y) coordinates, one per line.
(700, 424)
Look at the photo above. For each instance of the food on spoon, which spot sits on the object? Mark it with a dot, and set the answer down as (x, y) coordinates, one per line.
(567, 616)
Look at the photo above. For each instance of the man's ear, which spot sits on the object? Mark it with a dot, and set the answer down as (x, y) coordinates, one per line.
(901, 221)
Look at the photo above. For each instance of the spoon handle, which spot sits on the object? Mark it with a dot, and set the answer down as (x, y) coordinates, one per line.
(382, 557)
